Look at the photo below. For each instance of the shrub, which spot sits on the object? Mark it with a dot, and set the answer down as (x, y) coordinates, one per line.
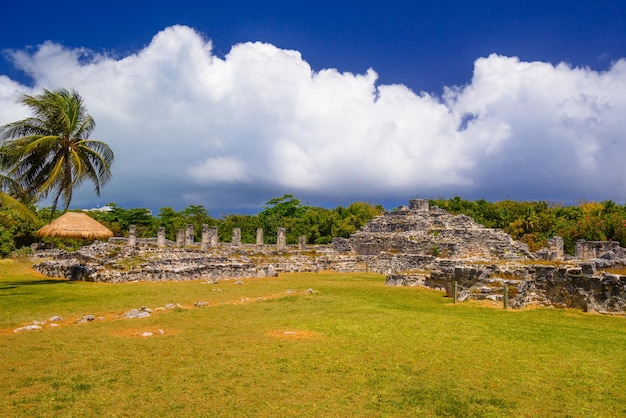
(6, 242)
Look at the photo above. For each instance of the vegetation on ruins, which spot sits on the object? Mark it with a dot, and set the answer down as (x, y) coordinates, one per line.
(49, 153)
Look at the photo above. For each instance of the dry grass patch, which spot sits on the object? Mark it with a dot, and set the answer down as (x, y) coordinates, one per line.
(294, 334)
(144, 332)
(554, 263)
(616, 270)
(417, 272)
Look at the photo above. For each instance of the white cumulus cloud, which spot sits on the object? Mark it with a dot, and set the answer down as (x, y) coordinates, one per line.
(189, 127)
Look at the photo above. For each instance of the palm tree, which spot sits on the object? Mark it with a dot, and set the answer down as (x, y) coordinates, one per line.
(49, 153)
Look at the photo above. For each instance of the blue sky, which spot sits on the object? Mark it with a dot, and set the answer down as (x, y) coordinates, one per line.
(230, 104)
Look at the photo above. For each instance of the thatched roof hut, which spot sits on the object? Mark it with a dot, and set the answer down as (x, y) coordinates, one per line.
(75, 225)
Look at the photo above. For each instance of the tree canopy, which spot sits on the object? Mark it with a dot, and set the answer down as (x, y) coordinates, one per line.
(529, 222)
(50, 153)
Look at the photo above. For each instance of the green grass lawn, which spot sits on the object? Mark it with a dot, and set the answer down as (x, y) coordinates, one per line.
(353, 347)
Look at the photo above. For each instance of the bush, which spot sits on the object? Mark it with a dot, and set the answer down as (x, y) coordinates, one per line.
(22, 253)
(6, 242)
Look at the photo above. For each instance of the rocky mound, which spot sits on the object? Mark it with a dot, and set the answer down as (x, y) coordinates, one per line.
(420, 229)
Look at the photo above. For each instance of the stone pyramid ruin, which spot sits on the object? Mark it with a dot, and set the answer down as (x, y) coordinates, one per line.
(425, 230)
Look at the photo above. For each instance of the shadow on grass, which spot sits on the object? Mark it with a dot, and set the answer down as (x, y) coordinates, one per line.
(15, 284)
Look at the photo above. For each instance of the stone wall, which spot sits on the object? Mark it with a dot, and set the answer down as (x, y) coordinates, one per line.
(579, 286)
(586, 250)
(108, 262)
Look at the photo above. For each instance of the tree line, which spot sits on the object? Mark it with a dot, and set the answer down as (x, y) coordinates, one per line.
(534, 223)
(319, 225)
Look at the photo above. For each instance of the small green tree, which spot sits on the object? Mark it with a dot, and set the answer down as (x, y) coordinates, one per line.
(196, 215)
(281, 212)
(119, 219)
(353, 217)
(248, 225)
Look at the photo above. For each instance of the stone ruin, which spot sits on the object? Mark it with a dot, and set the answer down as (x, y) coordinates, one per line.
(416, 245)
(479, 262)
(147, 259)
(419, 229)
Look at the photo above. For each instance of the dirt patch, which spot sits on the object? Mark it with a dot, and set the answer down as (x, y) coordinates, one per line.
(294, 334)
(144, 333)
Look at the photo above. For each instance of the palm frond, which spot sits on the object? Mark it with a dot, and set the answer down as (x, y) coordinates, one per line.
(10, 192)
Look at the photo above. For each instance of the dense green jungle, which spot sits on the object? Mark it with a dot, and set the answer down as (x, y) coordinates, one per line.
(529, 222)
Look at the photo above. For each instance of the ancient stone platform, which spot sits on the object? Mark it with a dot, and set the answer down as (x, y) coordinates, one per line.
(416, 245)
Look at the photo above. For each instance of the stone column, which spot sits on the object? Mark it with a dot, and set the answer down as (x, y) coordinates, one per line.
(259, 236)
(205, 237)
(581, 252)
(132, 239)
(281, 239)
(302, 242)
(180, 238)
(236, 242)
(214, 239)
(189, 235)
(161, 237)
(578, 250)
(555, 248)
